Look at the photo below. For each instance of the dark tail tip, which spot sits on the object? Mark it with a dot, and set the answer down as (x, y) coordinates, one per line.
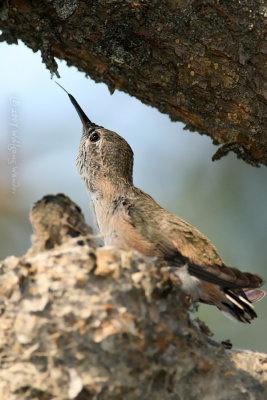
(238, 306)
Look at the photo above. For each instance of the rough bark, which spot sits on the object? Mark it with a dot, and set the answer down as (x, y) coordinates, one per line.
(201, 62)
(83, 322)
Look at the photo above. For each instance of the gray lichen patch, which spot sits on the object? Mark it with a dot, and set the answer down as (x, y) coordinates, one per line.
(82, 322)
(65, 8)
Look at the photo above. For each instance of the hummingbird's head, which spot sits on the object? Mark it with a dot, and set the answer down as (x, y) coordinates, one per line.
(104, 156)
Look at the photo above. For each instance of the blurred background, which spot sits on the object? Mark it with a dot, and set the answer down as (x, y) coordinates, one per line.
(40, 134)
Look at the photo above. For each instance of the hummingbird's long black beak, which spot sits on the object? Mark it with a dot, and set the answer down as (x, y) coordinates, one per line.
(85, 120)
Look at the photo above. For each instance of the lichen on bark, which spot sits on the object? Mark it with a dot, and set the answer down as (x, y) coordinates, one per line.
(203, 63)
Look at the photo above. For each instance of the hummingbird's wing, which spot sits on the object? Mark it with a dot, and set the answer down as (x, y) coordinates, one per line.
(155, 231)
(218, 274)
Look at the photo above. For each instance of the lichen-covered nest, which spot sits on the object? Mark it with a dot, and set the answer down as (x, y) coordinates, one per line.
(85, 322)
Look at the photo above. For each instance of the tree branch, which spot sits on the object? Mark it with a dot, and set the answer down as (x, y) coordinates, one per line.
(201, 62)
(82, 322)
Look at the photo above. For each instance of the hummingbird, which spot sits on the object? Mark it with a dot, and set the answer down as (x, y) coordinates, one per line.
(130, 219)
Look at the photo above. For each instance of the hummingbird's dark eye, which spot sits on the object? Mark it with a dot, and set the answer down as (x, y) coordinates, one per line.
(94, 137)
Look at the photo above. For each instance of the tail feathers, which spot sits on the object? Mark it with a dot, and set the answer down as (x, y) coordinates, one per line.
(237, 306)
